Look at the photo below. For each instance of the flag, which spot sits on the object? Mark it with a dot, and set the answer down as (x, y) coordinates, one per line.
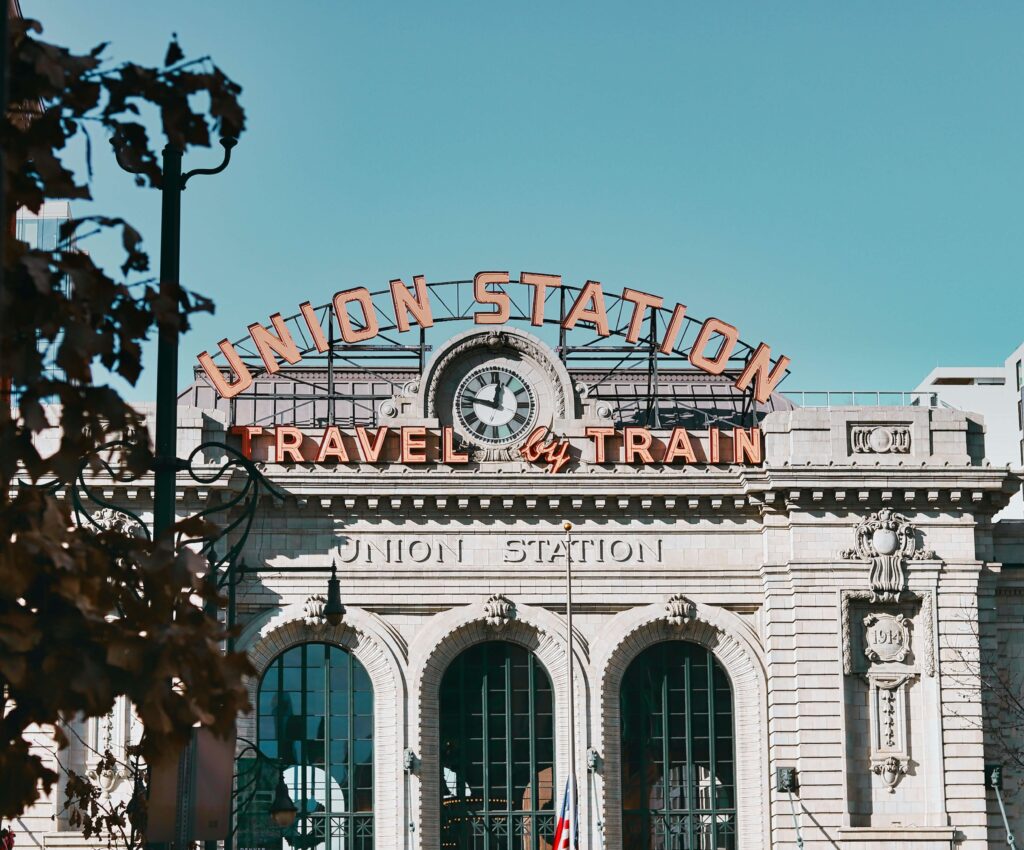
(567, 833)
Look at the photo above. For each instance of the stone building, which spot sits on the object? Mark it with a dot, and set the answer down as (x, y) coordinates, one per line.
(791, 625)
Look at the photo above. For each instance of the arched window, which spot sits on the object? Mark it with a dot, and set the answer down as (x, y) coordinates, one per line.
(678, 765)
(497, 751)
(316, 720)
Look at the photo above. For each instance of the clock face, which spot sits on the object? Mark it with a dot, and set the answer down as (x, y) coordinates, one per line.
(495, 405)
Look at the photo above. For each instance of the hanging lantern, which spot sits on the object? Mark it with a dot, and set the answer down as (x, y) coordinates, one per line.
(282, 810)
(334, 610)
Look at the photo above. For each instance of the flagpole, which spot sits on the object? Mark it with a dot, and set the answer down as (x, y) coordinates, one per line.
(569, 664)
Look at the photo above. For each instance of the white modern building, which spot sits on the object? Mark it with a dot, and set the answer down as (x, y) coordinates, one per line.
(997, 394)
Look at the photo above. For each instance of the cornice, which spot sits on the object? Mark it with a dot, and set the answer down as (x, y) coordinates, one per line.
(785, 490)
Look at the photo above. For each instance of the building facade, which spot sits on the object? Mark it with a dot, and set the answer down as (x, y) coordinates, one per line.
(997, 394)
(41, 231)
(789, 624)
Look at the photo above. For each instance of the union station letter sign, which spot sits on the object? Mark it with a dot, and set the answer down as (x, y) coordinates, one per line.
(495, 394)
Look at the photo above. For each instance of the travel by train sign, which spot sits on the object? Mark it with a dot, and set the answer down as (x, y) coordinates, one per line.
(418, 445)
(357, 319)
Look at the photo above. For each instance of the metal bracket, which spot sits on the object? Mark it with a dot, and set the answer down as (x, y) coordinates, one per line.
(786, 780)
(786, 783)
(994, 780)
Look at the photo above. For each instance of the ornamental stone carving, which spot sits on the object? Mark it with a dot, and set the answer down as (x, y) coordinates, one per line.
(886, 637)
(680, 611)
(880, 439)
(103, 767)
(890, 733)
(890, 770)
(107, 775)
(922, 621)
(887, 539)
(313, 614)
(108, 519)
(498, 610)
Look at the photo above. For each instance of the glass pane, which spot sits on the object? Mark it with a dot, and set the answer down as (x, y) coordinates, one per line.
(363, 727)
(677, 762)
(339, 677)
(363, 702)
(496, 767)
(293, 678)
(303, 721)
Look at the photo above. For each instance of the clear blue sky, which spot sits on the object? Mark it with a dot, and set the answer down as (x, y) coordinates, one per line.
(844, 181)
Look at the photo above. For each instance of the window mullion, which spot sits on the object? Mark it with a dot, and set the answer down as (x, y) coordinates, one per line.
(531, 707)
(462, 765)
(645, 801)
(712, 768)
(326, 681)
(690, 774)
(303, 747)
(508, 740)
(350, 746)
(666, 751)
(486, 747)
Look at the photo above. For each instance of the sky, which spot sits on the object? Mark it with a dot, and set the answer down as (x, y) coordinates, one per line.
(843, 181)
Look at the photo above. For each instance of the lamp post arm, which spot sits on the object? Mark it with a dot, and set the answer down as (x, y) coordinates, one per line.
(228, 142)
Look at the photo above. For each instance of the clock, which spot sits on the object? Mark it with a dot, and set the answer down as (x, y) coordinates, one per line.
(495, 405)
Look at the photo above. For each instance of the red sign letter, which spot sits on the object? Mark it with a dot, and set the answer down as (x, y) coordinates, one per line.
(448, 453)
(714, 365)
(406, 305)
(593, 295)
(757, 370)
(331, 446)
(287, 441)
(247, 432)
(540, 283)
(243, 378)
(370, 325)
(485, 296)
(598, 435)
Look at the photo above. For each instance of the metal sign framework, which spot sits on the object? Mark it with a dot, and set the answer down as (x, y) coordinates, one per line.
(581, 350)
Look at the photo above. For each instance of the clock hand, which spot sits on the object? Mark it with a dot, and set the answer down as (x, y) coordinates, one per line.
(490, 402)
(496, 382)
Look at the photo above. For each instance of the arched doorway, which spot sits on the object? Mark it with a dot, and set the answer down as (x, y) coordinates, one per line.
(315, 718)
(497, 750)
(678, 764)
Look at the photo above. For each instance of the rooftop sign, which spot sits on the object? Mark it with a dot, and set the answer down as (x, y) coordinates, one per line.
(418, 445)
(357, 320)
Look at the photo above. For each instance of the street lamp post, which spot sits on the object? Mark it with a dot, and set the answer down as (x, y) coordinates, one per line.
(165, 462)
(282, 812)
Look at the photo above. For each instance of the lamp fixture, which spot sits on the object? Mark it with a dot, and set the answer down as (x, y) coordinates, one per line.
(282, 810)
(334, 610)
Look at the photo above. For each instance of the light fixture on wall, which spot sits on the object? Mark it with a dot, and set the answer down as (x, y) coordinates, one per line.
(282, 810)
(785, 780)
(786, 783)
(334, 611)
(994, 780)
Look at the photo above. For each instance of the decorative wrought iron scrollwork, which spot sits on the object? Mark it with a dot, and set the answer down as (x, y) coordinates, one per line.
(254, 486)
(91, 509)
(255, 772)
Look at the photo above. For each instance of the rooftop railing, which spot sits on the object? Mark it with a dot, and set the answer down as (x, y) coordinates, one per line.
(864, 398)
